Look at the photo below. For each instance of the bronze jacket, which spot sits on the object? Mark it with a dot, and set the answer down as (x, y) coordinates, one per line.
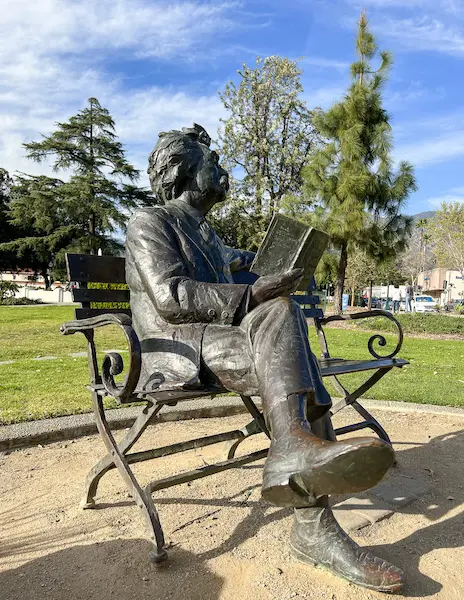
(180, 280)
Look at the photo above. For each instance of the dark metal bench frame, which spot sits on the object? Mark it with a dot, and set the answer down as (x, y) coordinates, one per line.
(106, 269)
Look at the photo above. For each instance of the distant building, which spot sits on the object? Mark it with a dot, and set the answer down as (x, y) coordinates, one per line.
(442, 284)
(23, 277)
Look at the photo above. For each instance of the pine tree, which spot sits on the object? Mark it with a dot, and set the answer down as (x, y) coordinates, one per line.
(95, 198)
(20, 246)
(358, 196)
(264, 144)
(6, 229)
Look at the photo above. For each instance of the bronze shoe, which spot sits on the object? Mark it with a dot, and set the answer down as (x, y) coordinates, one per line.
(317, 539)
(301, 467)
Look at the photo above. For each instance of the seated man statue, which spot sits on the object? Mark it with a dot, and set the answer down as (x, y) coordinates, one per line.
(197, 326)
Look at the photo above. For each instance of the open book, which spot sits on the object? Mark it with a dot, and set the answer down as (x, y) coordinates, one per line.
(289, 244)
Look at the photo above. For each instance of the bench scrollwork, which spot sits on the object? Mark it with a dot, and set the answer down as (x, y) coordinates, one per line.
(377, 338)
(113, 363)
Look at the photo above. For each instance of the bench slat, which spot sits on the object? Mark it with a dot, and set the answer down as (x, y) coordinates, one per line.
(89, 295)
(304, 299)
(338, 366)
(86, 313)
(313, 313)
(103, 269)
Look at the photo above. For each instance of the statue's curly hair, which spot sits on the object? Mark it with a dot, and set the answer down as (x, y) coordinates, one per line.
(175, 160)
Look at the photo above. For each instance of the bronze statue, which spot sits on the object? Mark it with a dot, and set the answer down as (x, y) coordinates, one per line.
(196, 325)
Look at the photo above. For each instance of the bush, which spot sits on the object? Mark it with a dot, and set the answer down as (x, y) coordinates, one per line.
(19, 301)
(415, 323)
(8, 289)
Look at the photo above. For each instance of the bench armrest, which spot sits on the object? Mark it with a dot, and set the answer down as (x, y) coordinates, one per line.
(380, 339)
(113, 363)
(71, 327)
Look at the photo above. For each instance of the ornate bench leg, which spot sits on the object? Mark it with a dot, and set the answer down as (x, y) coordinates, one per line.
(251, 429)
(105, 464)
(374, 424)
(258, 425)
(143, 501)
(351, 400)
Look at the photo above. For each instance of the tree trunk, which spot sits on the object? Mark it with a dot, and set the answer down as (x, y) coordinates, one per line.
(92, 228)
(92, 220)
(352, 295)
(340, 282)
(369, 304)
(47, 280)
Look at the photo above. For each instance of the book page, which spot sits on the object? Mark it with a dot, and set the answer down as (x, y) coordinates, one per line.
(280, 247)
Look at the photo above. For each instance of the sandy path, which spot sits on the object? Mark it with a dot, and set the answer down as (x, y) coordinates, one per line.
(226, 542)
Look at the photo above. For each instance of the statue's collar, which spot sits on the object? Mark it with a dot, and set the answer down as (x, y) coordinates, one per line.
(189, 209)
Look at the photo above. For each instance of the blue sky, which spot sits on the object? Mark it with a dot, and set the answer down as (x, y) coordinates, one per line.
(157, 65)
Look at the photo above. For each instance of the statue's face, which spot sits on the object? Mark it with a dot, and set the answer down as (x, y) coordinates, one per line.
(212, 181)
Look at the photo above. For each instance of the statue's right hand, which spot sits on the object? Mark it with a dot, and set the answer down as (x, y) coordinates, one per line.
(273, 286)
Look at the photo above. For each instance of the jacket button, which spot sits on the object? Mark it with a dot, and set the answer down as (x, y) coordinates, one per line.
(224, 315)
(211, 313)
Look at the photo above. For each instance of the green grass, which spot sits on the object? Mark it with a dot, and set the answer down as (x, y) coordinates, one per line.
(32, 389)
(35, 331)
(435, 374)
(415, 323)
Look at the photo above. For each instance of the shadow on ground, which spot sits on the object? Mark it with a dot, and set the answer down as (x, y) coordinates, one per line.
(445, 534)
(122, 570)
(429, 462)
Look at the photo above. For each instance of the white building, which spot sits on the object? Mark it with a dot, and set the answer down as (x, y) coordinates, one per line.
(24, 277)
(33, 287)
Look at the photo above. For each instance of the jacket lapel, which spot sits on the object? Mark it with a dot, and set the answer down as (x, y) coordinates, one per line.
(184, 229)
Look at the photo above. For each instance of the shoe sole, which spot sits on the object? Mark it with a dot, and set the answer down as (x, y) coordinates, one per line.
(304, 558)
(356, 470)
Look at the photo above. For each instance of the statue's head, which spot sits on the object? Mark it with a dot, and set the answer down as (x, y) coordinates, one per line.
(182, 164)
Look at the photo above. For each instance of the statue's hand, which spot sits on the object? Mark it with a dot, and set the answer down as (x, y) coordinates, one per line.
(273, 286)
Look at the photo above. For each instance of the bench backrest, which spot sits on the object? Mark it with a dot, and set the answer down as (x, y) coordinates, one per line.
(103, 289)
(102, 281)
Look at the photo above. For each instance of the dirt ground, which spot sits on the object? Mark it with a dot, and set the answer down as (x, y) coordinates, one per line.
(225, 542)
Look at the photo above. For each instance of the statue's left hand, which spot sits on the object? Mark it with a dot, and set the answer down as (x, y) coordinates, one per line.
(272, 286)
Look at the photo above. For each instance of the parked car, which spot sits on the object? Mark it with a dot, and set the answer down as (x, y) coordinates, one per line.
(424, 304)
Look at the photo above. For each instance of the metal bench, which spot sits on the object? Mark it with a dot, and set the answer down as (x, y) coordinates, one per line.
(87, 270)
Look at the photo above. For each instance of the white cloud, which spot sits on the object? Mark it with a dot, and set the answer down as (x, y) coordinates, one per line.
(432, 150)
(53, 55)
(452, 196)
(457, 190)
(424, 34)
(324, 97)
(152, 28)
(139, 115)
(318, 61)
(390, 3)
(142, 114)
(401, 100)
(449, 6)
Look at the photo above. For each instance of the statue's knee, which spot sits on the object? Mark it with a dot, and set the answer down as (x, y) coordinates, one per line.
(289, 305)
(283, 303)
